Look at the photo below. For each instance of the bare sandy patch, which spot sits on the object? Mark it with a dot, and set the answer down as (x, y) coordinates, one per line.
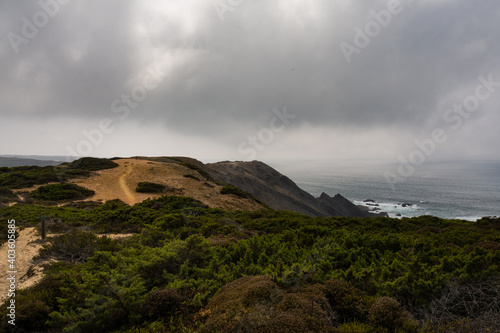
(29, 272)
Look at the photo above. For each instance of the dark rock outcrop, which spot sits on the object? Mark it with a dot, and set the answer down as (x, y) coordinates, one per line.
(280, 192)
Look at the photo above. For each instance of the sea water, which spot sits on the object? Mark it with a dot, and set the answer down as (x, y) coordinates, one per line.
(455, 190)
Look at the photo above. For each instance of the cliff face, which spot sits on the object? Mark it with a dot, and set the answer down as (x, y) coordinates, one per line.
(280, 192)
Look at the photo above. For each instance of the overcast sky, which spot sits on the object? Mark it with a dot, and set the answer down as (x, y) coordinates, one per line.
(251, 79)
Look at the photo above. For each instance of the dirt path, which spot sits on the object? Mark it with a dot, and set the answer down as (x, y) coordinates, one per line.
(26, 249)
(131, 199)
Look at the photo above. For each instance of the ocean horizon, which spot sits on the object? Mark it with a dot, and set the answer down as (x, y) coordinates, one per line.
(462, 190)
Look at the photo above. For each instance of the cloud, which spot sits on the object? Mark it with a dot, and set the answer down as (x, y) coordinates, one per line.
(224, 77)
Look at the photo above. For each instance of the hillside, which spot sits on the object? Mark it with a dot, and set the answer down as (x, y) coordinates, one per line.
(189, 177)
(280, 192)
(158, 260)
(121, 183)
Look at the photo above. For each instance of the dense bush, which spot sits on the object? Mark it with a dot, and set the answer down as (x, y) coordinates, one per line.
(58, 192)
(76, 246)
(34, 305)
(147, 187)
(269, 271)
(92, 164)
(21, 177)
(27, 176)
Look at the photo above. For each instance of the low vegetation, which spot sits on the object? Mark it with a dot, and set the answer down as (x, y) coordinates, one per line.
(147, 187)
(190, 268)
(202, 172)
(230, 189)
(92, 164)
(191, 176)
(61, 192)
(27, 176)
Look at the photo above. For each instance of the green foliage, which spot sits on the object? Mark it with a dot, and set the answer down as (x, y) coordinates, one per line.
(147, 187)
(192, 268)
(59, 192)
(33, 305)
(27, 176)
(21, 177)
(77, 246)
(92, 164)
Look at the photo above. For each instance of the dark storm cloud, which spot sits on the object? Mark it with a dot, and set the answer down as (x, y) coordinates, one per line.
(231, 73)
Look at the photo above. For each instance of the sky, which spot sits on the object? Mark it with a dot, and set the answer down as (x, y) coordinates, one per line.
(405, 80)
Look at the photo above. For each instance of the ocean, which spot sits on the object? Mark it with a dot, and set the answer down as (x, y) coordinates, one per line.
(452, 190)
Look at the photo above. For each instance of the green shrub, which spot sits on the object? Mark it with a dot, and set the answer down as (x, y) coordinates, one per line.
(147, 187)
(33, 306)
(77, 246)
(27, 176)
(92, 164)
(58, 192)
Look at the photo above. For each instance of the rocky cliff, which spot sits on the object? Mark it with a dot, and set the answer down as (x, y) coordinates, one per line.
(280, 192)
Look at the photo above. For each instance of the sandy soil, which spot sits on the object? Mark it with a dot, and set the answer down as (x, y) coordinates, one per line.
(28, 243)
(120, 183)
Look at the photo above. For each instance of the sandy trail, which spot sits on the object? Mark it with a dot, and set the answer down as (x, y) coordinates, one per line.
(131, 199)
(26, 249)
